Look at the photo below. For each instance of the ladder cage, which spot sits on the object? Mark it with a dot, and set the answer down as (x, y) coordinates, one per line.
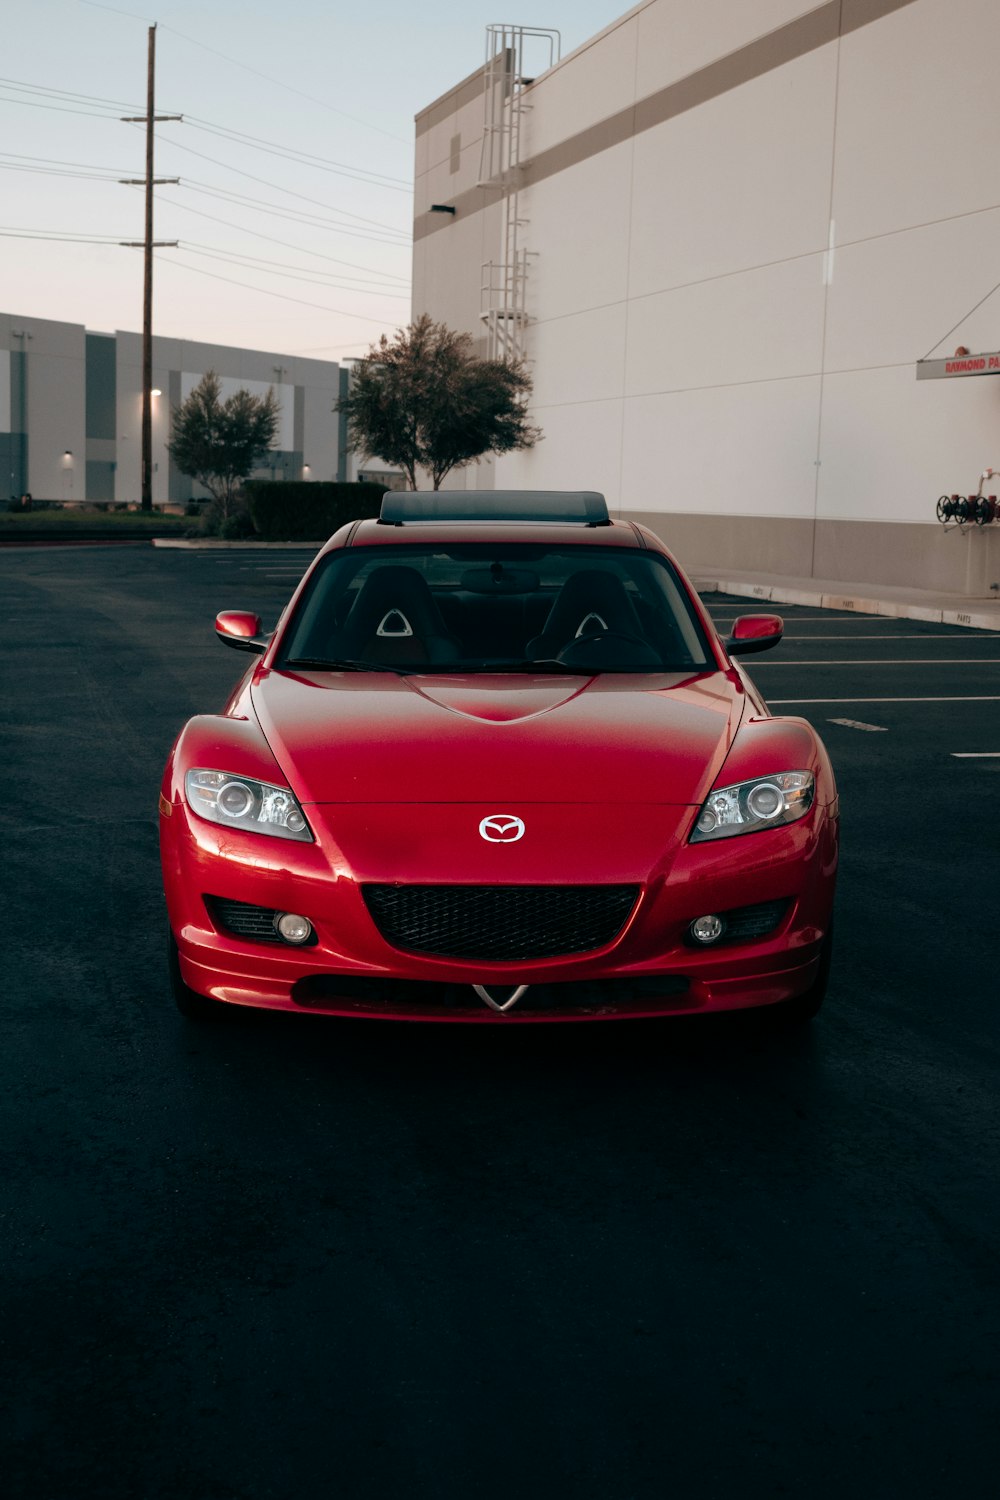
(502, 291)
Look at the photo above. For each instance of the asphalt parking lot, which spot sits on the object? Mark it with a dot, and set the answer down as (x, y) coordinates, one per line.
(290, 1256)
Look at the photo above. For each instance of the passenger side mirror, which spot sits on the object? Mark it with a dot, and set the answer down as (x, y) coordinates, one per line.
(752, 633)
(241, 630)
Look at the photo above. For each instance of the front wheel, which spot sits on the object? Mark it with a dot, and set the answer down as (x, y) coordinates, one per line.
(190, 1004)
(805, 1007)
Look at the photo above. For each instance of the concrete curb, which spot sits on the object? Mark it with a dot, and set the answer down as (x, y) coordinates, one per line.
(900, 609)
(194, 544)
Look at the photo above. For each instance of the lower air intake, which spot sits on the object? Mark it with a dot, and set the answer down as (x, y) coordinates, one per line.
(500, 923)
(255, 923)
(744, 922)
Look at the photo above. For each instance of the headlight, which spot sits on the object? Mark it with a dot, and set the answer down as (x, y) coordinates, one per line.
(765, 802)
(241, 802)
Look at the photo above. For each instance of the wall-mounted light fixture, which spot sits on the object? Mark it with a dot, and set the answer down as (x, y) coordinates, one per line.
(156, 391)
(68, 456)
(443, 208)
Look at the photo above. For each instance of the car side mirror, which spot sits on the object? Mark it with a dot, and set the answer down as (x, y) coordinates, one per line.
(241, 630)
(753, 633)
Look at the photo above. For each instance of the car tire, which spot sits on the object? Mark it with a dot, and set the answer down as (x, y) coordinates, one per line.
(192, 1006)
(805, 1008)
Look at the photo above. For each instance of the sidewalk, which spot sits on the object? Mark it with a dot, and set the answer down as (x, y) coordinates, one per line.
(981, 613)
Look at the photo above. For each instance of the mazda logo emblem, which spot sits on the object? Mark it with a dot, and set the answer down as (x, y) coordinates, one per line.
(502, 828)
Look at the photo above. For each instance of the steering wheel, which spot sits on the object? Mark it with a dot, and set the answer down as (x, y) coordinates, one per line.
(602, 636)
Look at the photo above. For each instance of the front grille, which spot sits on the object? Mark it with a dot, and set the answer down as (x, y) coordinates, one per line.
(578, 997)
(500, 923)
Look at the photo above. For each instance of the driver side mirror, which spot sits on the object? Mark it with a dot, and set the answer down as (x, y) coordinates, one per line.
(241, 630)
(753, 633)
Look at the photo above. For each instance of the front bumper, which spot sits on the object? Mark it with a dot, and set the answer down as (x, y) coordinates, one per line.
(650, 968)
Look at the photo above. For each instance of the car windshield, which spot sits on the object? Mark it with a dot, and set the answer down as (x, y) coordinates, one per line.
(500, 608)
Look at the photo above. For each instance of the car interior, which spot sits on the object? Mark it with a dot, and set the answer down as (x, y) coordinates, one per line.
(495, 612)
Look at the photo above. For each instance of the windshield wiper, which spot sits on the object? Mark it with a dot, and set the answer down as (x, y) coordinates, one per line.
(338, 664)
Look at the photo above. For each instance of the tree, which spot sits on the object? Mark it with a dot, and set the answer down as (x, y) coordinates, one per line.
(218, 442)
(422, 400)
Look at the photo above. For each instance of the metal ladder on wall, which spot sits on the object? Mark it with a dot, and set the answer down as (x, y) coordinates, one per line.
(504, 280)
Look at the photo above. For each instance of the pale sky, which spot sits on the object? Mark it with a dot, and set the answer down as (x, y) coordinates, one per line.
(70, 68)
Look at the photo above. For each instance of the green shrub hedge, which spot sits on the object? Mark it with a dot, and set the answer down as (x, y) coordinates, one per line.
(308, 511)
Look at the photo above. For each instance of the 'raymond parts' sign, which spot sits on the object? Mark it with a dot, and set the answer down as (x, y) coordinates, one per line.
(959, 364)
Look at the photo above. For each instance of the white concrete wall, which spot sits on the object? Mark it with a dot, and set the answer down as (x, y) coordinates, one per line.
(55, 364)
(694, 346)
(56, 402)
(5, 424)
(254, 369)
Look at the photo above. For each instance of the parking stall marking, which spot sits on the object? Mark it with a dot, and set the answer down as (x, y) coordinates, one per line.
(951, 635)
(890, 661)
(831, 618)
(967, 698)
(976, 754)
(857, 724)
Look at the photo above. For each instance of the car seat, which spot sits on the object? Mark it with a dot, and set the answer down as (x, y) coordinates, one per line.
(394, 619)
(590, 602)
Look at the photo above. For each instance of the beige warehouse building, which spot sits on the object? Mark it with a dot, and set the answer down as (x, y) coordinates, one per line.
(723, 233)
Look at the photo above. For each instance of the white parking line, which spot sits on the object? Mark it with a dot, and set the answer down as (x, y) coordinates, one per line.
(891, 661)
(974, 698)
(976, 754)
(857, 724)
(952, 635)
(829, 619)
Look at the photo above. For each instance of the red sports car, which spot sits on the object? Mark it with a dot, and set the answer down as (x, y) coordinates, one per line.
(495, 764)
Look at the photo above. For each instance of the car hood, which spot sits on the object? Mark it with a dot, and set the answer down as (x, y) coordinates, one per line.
(363, 737)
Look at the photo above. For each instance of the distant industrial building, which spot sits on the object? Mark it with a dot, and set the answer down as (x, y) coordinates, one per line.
(70, 410)
(723, 235)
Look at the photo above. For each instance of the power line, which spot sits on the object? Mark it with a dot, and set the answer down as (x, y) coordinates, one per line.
(295, 216)
(242, 172)
(43, 88)
(323, 103)
(260, 202)
(6, 166)
(55, 161)
(293, 274)
(275, 148)
(258, 234)
(335, 228)
(257, 263)
(16, 232)
(339, 312)
(88, 114)
(14, 161)
(287, 265)
(210, 127)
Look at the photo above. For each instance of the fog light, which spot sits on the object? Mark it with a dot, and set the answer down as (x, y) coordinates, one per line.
(707, 929)
(294, 929)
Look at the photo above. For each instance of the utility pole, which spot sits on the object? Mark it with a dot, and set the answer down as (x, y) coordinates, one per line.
(148, 245)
